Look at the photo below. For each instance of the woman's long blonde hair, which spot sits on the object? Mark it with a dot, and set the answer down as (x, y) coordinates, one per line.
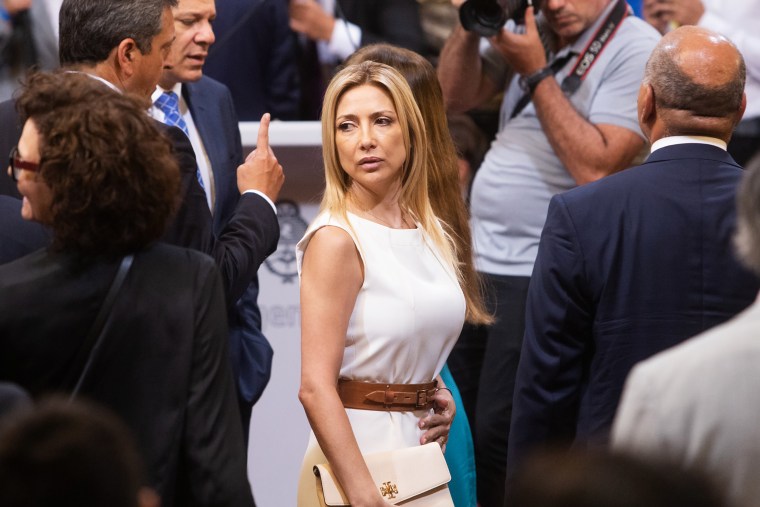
(443, 173)
(413, 196)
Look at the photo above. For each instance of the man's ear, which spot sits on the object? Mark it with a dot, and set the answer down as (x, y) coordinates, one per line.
(646, 108)
(646, 103)
(742, 107)
(127, 53)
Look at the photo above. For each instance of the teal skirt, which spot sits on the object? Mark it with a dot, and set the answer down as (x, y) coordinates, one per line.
(460, 453)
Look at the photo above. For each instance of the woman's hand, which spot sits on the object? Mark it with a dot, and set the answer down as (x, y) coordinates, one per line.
(439, 422)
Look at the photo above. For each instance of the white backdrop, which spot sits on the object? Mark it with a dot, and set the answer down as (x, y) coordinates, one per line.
(279, 429)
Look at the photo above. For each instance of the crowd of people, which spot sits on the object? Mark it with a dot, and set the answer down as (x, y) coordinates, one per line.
(490, 302)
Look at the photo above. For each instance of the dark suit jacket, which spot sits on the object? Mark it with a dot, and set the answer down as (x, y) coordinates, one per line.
(214, 116)
(627, 266)
(396, 22)
(18, 237)
(162, 365)
(191, 226)
(255, 56)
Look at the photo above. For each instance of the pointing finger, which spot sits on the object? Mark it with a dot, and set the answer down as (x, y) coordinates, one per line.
(262, 142)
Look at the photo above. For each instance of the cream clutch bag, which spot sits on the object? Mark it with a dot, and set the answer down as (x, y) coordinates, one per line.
(415, 476)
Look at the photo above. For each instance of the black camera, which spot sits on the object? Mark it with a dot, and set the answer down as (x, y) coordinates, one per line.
(486, 17)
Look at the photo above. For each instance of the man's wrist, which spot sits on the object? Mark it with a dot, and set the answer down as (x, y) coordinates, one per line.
(528, 83)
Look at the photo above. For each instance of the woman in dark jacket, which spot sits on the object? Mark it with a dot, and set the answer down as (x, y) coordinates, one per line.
(91, 165)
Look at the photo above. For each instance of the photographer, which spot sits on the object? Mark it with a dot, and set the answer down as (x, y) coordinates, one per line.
(555, 133)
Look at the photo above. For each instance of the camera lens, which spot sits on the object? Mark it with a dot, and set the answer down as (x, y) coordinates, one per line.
(486, 17)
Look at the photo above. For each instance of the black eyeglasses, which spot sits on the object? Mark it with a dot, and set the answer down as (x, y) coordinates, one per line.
(16, 164)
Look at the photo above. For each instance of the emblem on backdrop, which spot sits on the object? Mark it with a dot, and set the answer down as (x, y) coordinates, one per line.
(292, 228)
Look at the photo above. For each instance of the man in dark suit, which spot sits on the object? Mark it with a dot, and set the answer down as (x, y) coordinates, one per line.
(638, 261)
(203, 108)
(255, 56)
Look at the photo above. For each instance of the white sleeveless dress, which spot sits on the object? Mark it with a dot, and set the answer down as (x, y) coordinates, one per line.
(408, 315)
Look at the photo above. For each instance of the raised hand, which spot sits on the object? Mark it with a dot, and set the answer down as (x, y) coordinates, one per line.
(524, 51)
(309, 18)
(261, 171)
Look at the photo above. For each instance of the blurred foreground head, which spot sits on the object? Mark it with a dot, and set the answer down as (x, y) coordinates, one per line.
(747, 239)
(63, 454)
(603, 479)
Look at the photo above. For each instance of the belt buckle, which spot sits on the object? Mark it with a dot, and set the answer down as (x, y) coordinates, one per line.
(420, 394)
(389, 396)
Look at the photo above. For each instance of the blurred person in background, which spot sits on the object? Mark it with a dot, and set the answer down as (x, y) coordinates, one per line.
(255, 55)
(330, 30)
(28, 40)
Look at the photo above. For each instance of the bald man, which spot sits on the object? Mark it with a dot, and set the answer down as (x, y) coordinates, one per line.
(638, 261)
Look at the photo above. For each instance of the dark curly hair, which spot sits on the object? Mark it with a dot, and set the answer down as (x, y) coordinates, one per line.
(112, 175)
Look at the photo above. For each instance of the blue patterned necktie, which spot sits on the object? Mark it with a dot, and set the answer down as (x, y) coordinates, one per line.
(168, 102)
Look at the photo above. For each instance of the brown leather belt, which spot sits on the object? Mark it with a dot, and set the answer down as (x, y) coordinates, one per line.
(386, 397)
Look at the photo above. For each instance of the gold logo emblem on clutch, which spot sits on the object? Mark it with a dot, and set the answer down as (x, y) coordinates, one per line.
(389, 490)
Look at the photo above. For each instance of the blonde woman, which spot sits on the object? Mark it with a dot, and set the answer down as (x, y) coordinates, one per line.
(447, 203)
(381, 296)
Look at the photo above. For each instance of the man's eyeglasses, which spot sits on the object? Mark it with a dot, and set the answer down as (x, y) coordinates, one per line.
(17, 164)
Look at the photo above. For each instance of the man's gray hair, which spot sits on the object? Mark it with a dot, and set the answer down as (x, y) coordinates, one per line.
(91, 29)
(747, 237)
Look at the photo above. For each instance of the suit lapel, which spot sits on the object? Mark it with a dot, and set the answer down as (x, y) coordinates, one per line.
(207, 123)
(204, 121)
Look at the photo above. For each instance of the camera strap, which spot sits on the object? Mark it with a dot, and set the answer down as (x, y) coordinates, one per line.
(593, 49)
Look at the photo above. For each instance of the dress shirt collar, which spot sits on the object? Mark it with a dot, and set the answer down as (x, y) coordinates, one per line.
(673, 140)
(93, 76)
